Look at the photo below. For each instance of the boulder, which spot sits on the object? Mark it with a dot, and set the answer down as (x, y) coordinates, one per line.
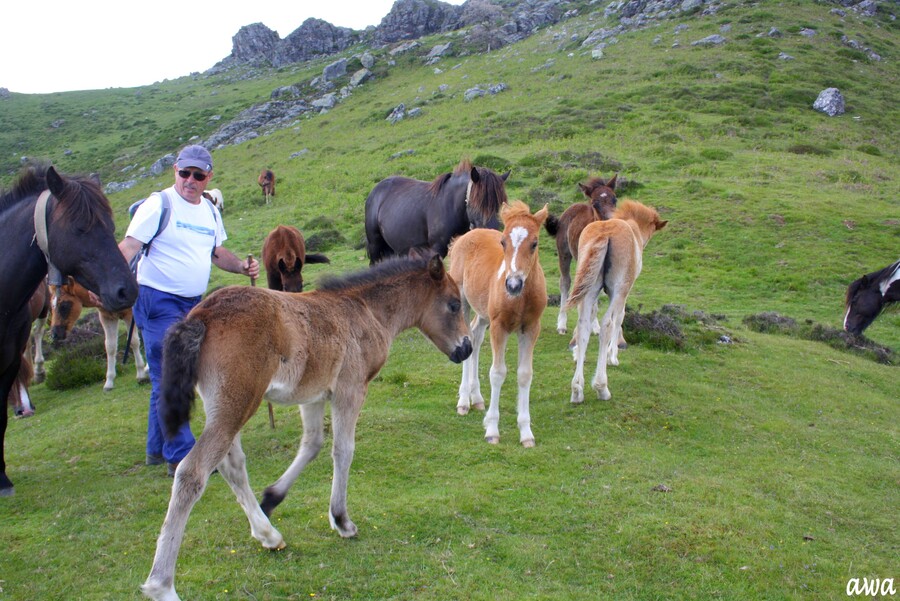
(830, 102)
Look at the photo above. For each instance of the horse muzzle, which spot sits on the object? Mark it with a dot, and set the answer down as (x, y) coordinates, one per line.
(462, 352)
(515, 283)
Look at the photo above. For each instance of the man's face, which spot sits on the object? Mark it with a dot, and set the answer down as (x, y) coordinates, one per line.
(187, 184)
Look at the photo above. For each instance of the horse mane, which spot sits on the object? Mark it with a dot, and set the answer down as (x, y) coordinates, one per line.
(84, 201)
(488, 194)
(631, 209)
(464, 167)
(379, 272)
(32, 180)
(516, 208)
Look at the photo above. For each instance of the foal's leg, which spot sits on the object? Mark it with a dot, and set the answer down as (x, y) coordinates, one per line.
(344, 413)
(565, 284)
(234, 469)
(498, 376)
(470, 386)
(525, 373)
(313, 417)
(37, 337)
(587, 312)
(609, 329)
(140, 367)
(110, 324)
(190, 481)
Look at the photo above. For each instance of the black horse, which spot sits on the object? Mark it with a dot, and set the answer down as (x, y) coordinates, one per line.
(70, 221)
(868, 295)
(404, 214)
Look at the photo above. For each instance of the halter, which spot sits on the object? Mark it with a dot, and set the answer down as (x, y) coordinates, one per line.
(42, 238)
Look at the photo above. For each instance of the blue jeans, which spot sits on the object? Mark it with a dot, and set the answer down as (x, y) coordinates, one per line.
(154, 312)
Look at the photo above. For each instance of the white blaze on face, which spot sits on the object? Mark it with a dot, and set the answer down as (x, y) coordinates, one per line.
(890, 280)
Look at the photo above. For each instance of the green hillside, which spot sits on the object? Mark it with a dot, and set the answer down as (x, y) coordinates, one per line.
(780, 454)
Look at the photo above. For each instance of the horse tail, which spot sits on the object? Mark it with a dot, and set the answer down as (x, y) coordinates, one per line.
(181, 362)
(316, 258)
(552, 225)
(591, 270)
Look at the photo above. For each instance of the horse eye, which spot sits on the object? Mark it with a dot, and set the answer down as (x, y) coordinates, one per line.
(534, 245)
(503, 242)
(453, 306)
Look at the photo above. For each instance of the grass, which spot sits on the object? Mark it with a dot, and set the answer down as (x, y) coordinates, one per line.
(779, 453)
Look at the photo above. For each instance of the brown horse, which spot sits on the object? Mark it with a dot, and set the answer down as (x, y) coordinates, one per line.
(266, 181)
(600, 205)
(243, 343)
(611, 258)
(501, 278)
(68, 302)
(284, 255)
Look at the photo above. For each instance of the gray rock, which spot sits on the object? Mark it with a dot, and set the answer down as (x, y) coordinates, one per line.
(830, 102)
(163, 164)
(402, 153)
(4, 93)
(289, 91)
(785, 56)
(113, 187)
(712, 40)
(414, 112)
(359, 77)
(367, 60)
(807, 32)
(299, 153)
(397, 114)
(326, 102)
(335, 70)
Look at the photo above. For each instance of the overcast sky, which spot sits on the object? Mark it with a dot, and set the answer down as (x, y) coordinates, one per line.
(62, 45)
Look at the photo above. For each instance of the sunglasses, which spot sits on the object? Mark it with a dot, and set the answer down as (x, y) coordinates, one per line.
(186, 174)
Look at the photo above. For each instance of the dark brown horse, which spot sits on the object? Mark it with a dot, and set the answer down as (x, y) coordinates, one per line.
(50, 219)
(600, 205)
(406, 215)
(242, 344)
(868, 295)
(266, 181)
(284, 255)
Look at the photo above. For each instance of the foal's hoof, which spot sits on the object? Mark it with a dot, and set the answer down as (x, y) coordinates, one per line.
(492, 439)
(623, 345)
(528, 444)
(561, 330)
(462, 410)
(478, 406)
(7, 492)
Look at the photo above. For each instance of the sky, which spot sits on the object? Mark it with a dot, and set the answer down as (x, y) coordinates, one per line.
(64, 45)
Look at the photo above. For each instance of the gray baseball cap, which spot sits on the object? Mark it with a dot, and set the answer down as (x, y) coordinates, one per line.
(195, 156)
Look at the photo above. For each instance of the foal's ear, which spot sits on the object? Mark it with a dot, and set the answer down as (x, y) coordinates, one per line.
(612, 182)
(584, 190)
(55, 182)
(436, 268)
(505, 175)
(473, 175)
(661, 224)
(541, 216)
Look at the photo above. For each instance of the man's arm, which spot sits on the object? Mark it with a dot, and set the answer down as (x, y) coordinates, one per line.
(226, 260)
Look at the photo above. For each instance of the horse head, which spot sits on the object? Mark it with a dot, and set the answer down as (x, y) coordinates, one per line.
(645, 218)
(485, 195)
(81, 240)
(520, 244)
(442, 320)
(602, 195)
(67, 306)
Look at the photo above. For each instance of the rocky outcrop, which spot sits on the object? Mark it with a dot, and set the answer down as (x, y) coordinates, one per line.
(256, 43)
(412, 19)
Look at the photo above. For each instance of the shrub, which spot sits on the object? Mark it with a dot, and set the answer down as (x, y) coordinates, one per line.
(78, 364)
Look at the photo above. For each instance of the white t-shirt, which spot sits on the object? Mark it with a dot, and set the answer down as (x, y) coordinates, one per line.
(180, 258)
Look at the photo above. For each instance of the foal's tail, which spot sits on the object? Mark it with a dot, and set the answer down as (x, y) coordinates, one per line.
(552, 225)
(591, 270)
(316, 258)
(181, 361)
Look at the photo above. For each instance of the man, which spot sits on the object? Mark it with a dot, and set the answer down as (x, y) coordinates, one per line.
(173, 275)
